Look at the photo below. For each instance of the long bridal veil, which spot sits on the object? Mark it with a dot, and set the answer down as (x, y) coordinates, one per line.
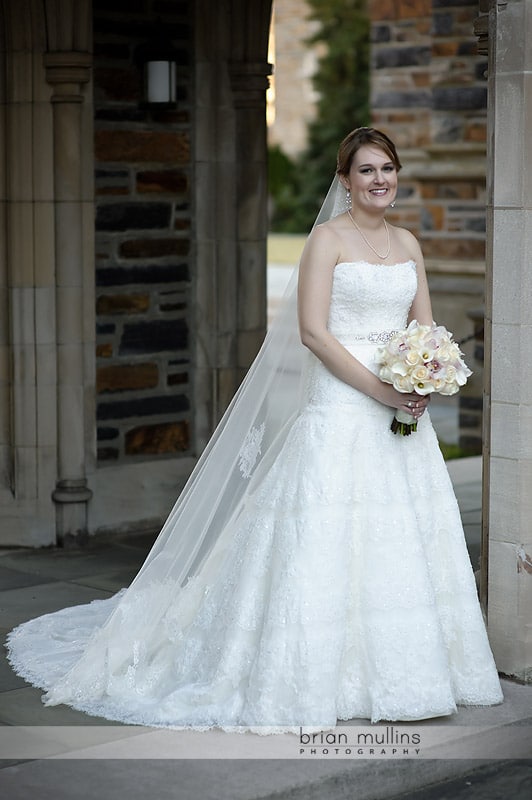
(241, 450)
(244, 444)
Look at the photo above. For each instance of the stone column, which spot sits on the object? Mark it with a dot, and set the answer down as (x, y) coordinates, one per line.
(249, 81)
(508, 387)
(230, 200)
(67, 72)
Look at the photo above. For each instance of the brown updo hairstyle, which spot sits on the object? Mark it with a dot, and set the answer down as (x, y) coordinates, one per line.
(359, 137)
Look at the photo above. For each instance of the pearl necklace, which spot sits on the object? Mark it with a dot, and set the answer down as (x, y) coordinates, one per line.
(361, 232)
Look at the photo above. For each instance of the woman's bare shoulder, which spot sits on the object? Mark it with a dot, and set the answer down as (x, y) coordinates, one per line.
(324, 236)
(324, 242)
(330, 228)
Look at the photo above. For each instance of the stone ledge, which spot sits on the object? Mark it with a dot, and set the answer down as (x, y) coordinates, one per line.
(455, 266)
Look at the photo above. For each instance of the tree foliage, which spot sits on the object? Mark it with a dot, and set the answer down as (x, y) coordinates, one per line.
(342, 82)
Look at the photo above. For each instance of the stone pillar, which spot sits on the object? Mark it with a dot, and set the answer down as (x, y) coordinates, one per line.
(230, 200)
(508, 386)
(249, 82)
(27, 282)
(67, 72)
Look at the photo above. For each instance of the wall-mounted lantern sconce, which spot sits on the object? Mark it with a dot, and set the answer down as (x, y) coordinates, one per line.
(160, 82)
(157, 58)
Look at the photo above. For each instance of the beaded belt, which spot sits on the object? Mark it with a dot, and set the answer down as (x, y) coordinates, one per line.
(375, 337)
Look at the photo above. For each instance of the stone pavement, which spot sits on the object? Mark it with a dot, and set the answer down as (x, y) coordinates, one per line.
(60, 753)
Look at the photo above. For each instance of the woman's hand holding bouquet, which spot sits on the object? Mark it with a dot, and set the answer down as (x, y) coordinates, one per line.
(422, 359)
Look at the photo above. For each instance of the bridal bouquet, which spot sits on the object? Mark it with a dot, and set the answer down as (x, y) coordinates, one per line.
(421, 359)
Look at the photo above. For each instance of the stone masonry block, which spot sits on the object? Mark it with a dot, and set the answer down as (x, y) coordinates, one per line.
(408, 56)
(132, 216)
(121, 114)
(442, 24)
(154, 273)
(126, 377)
(143, 407)
(399, 9)
(460, 249)
(380, 33)
(171, 437)
(122, 303)
(432, 217)
(162, 181)
(177, 379)
(401, 99)
(105, 434)
(463, 190)
(154, 248)
(449, 3)
(444, 49)
(112, 190)
(170, 147)
(104, 350)
(154, 336)
(117, 84)
(468, 48)
(463, 98)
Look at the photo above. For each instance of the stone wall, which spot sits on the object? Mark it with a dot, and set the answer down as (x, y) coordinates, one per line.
(143, 237)
(429, 92)
(428, 79)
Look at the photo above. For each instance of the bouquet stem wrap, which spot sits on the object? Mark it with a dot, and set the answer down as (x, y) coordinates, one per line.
(403, 423)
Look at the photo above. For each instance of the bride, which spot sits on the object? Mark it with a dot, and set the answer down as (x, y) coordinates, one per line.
(314, 567)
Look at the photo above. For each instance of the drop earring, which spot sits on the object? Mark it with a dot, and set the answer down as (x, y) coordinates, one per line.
(392, 204)
(347, 199)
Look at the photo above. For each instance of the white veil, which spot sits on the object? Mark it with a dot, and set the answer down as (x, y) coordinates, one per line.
(244, 445)
(246, 441)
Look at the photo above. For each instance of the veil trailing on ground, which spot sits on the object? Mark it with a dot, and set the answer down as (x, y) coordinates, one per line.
(241, 450)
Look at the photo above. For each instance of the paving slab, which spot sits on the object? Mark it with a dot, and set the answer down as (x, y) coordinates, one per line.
(230, 780)
(110, 582)
(8, 679)
(16, 579)
(23, 706)
(19, 605)
(221, 780)
(509, 780)
(74, 563)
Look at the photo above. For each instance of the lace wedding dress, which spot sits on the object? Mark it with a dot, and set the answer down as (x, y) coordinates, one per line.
(341, 589)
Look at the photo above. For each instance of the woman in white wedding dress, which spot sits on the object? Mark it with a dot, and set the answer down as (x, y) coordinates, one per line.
(315, 567)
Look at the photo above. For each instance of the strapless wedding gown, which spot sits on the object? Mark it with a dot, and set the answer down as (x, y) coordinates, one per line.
(344, 591)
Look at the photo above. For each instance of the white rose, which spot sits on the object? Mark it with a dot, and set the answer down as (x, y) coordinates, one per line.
(420, 373)
(413, 357)
(450, 374)
(403, 384)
